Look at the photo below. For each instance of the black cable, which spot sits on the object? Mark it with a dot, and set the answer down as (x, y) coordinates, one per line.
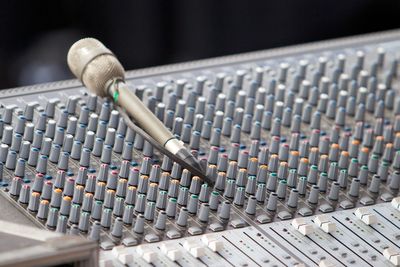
(161, 148)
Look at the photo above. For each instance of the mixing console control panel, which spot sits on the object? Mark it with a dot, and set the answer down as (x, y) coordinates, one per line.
(302, 145)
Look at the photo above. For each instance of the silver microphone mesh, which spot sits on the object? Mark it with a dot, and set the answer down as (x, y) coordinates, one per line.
(94, 64)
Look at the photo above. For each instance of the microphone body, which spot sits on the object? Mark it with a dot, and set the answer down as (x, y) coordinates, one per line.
(124, 97)
(101, 72)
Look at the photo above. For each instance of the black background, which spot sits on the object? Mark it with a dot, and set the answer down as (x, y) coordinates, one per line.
(35, 35)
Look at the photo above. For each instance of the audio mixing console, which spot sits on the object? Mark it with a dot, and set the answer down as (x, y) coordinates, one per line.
(302, 145)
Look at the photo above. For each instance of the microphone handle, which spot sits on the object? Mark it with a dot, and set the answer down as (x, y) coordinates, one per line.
(184, 163)
(124, 97)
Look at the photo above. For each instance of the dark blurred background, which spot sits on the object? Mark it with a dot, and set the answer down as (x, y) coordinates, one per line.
(35, 35)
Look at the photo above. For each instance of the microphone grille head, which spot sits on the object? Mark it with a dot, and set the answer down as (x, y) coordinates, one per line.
(94, 65)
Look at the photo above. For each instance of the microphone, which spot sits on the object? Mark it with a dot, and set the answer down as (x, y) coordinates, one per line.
(101, 72)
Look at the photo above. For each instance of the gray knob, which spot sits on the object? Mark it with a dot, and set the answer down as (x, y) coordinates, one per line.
(100, 191)
(293, 198)
(74, 213)
(69, 187)
(118, 207)
(87, 202)
(78, 194)
(161, 220)
(68, 143)
(260, 193)
(394, 180)
(314, 195)
(97, 210)
(182, 217)
(130, 198)
(51, 129)
(110, 137)
(195, 185)
(343, 178)
(84, 115)
(101, 130)
(183, 196)
(76, 150)
(121, 187)
(38, 183)
(106, 218)
(65, 206)
(225, 210)
(16, 142)
(43, 210)
(55, 153)
(193, 204)
(93, 121)
(375, 184)
(127, 151)
(80, 133)
(354, 188)
(62, 119)
(24, 150)
(229, 188)
(47, 190)
(139, 224)
(15, 188)
(204, 193)
(173, 188)
(11, 160)
(33, 156)
(149, 211)
(7, 135)
(52, 218)
(89, 140)
(106, 154)
(34, 200)
(214, 200)
(118, 143)
(95, 231)
(41, 166)
(117, 228)
(63, 161)
(171, 207)
(161, 201)
(323, 182)
(239, 196)
(105, 111)
(85, 157)
(334, 192)
(62, 224)
(140, 203)
(98, 147)
(143, 184)
(204, 212)
(56, 198)
(84, 222)
(272, 182)
(127, 217)
(90, 186)
(251, 205)
(24, 194)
